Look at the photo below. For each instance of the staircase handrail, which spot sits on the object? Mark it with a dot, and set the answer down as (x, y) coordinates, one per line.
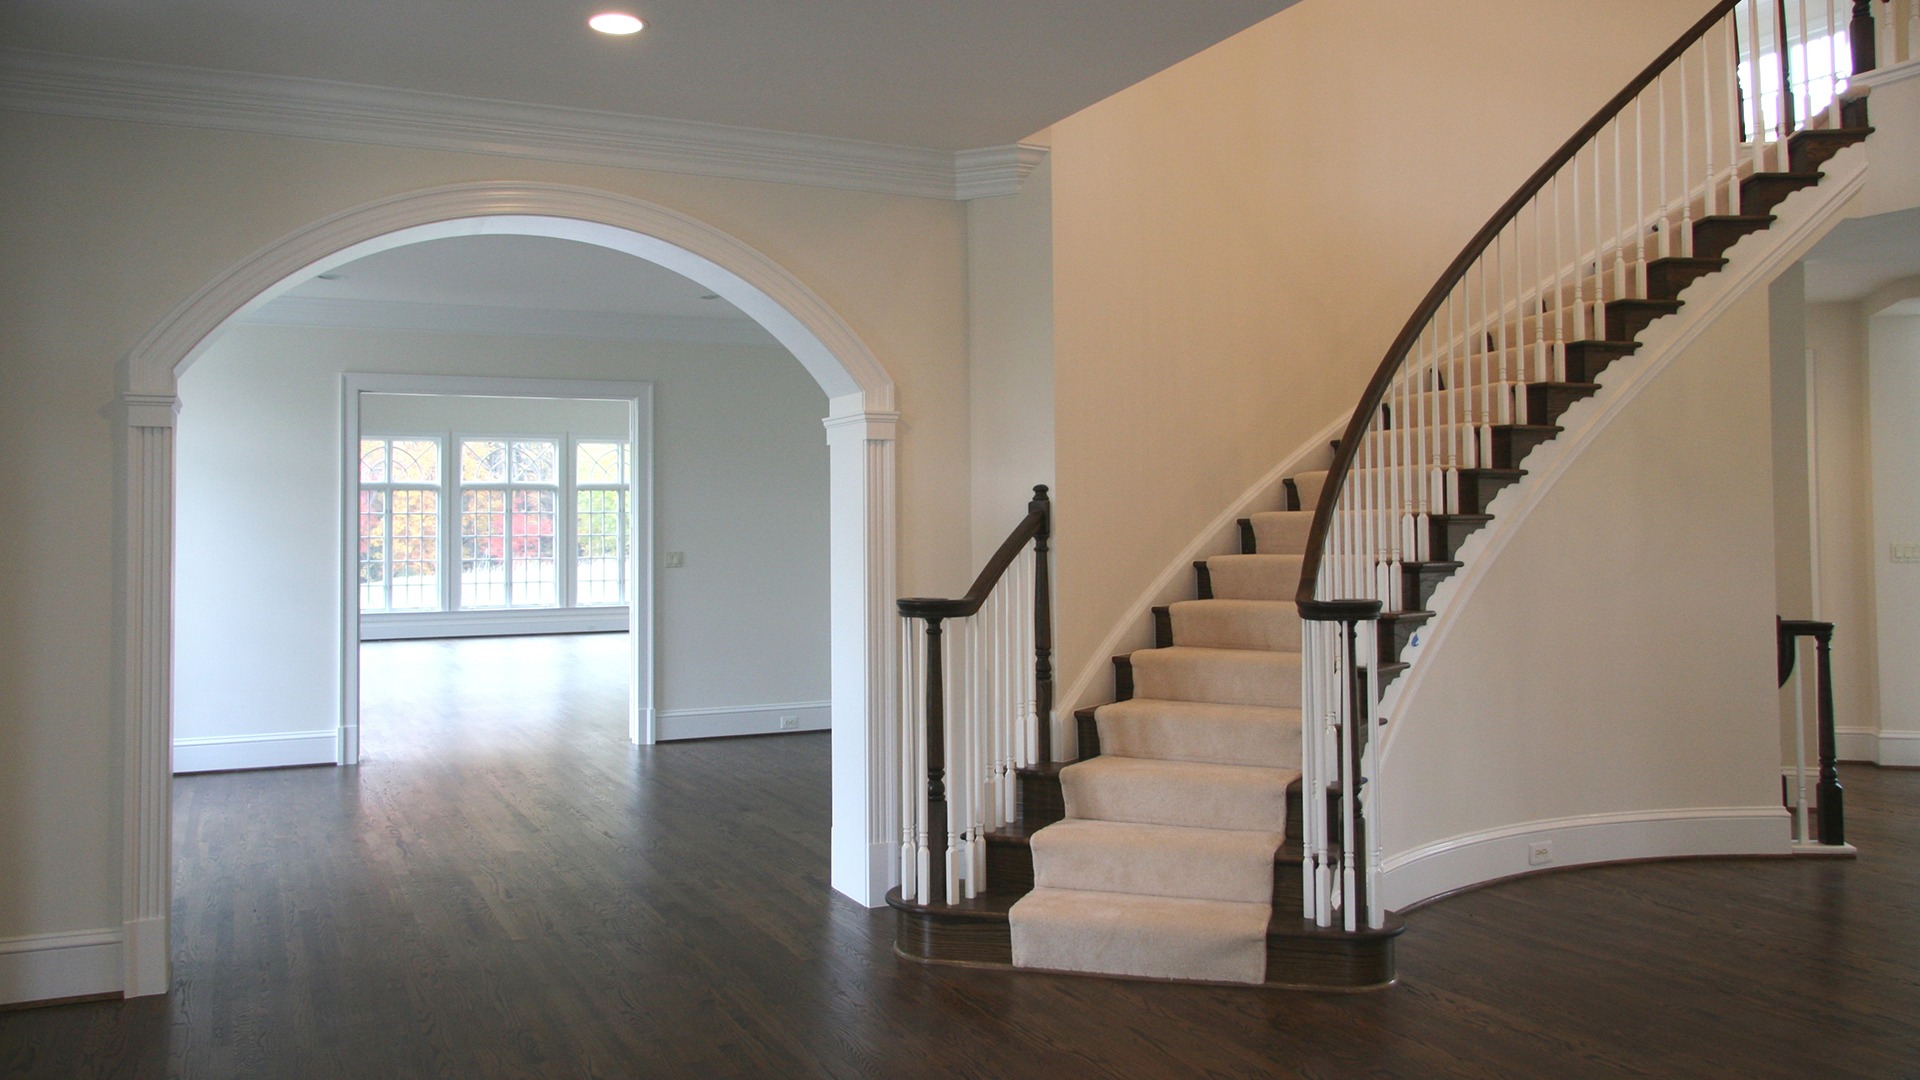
(1311, 607)
(1557, 284)
(959, 779)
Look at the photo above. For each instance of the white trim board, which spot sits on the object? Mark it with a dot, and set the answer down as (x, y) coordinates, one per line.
(403, 625)
(1899, 749)
(673, 724)
(274, 750)
(64, 85)
(1457, 862)
(49, 967)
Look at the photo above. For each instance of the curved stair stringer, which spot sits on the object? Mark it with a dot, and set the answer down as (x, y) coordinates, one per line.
(1221, 536)
(1801, 220)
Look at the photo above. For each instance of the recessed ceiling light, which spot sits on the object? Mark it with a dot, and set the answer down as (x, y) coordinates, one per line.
(618, 23)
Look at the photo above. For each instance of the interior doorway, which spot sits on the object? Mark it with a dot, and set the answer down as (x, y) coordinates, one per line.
(860, 434)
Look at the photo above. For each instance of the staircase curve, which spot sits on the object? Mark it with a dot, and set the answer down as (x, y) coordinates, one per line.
(1221, 823)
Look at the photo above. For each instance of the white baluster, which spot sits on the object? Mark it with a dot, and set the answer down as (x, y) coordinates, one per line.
(1370, 771)
(1732, 80)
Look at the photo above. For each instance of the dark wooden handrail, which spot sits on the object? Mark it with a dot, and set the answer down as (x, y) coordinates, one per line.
(1310, 605)
(1033, 526)
(1036, 529)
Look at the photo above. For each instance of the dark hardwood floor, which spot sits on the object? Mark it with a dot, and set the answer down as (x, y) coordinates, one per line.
(506, 888)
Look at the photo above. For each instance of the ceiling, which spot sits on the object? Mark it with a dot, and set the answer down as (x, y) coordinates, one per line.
(1864, 255)
(530, 285)
(942, 76)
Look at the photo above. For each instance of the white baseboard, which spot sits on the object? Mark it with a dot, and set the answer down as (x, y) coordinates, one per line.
(1857, 744)
(671, 724)
(1474, 858)
(48, 967)
(1900, 749)
(275, 750)
(398, 625)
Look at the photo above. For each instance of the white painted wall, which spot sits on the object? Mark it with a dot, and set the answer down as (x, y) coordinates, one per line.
(741, 481)
(1836, 337)
(1239, 238)
(108, 226)
(1893, 351)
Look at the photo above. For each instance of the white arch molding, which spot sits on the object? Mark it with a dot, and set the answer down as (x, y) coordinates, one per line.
(860, 429)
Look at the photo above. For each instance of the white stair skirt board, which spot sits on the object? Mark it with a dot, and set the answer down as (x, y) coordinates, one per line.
(743, 720)
(49, 967)
(1476, 858)
(274, 750)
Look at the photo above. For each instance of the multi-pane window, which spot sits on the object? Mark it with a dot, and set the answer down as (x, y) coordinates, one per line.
(503, 502)
(399, 524)
(600, 477)
(509, 496)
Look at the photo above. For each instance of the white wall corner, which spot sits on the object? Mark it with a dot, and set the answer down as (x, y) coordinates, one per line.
(994, 170)
(1457, 862)
(50, 967)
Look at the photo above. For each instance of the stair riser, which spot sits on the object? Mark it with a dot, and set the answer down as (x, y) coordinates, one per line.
(1627, 318)
(1445, 534)
(1760, 194)
(1587, 359)
(1712, 237)
(1417, 584)
(1010, 871)
(1547, 402)
(1668, 278)
(1042, 793)
(1479, 486)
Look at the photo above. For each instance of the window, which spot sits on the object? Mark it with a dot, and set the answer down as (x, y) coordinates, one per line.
(601, 473)
(517, 547)
(509, 492)
(399, 524)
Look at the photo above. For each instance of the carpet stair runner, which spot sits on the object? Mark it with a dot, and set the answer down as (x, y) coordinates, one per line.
(1171, 848)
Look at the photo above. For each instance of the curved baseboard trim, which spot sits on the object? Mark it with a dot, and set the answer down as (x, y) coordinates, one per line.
(1470, 859)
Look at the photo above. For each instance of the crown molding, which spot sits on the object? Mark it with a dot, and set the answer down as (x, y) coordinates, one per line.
(334, 313)
(66, 85)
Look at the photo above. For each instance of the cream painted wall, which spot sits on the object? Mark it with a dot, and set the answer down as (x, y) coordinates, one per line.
(1238, 239)
(107, 226)
(1010, 354)
(1672, 705)
(740, 468)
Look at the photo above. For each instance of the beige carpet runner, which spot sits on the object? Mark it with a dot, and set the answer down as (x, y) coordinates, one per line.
(1164, 865)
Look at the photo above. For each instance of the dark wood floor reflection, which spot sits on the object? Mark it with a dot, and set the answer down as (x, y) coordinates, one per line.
(506, 888)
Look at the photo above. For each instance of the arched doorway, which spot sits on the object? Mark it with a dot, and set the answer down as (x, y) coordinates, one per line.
(860, 425)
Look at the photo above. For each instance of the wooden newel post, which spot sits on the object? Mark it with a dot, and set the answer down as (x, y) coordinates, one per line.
(1042, 627)
(936, 769)
(1860, 32)
(1833, 827)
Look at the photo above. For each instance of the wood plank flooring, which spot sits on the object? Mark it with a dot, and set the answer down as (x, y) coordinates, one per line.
(506, 888)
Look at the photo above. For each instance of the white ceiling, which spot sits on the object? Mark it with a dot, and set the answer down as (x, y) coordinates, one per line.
(1863, 255)
(529, 285)
(937, 75)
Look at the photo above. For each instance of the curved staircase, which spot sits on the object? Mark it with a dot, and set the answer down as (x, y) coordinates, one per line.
(1172, 848)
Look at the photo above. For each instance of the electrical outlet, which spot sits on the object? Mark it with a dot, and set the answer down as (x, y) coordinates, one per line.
(676, 559)
(1906, 551)
(788, 723)
(1539, 853)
